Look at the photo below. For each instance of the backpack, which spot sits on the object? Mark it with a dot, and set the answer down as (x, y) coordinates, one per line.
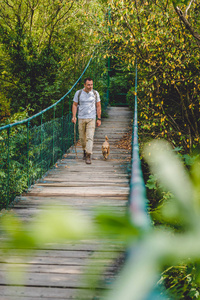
(95, 95)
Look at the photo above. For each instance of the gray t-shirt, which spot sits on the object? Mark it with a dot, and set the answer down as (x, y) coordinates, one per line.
(87, 104)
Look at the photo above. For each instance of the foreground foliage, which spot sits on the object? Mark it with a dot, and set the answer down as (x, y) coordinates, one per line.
(153, 249)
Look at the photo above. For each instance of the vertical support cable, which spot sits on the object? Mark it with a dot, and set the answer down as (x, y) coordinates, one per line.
(68, 127)
(108, 81)
(93, 70)
(62, 118)
(70, 104)
(109, 62)
(41, 143)
(54, 114)
(135, 124)
(27, 142)
(135, 113)
(8, 168)
(77, 131)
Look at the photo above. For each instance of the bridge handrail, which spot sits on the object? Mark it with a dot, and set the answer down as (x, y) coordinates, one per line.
(137, 196)
(28, 153)
(138, 203)
(49, 107)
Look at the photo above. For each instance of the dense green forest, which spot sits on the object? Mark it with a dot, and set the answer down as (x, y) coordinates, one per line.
(45, 46)
(164, 37)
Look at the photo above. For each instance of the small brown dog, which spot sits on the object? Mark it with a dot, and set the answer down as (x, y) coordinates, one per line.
(105, 148)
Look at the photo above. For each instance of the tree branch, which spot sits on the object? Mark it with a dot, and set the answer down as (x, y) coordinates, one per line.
(185, 109)
(187, 24)
(32, 8)
(186, 11)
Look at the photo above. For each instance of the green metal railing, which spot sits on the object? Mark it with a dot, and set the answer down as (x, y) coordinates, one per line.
(138, 203)
(137, 197)
(28, 148)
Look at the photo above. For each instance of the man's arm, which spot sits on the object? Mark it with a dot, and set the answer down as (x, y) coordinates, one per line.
(74, 111)
(98, 113)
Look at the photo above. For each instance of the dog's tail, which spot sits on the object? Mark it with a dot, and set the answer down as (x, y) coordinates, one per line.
(106, 138)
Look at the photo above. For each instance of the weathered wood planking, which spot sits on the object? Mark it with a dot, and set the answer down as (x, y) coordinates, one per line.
(57, 271)
(27, 293)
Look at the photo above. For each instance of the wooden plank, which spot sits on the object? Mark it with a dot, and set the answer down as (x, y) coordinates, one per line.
(74, 202)
(87, 210)
(82, 167)
(70, 180)
(77, 205)
(30, 293)
(28, 298)
(97, 155)
(97, 245)
(87, 176)
(46, 269)
(42, 269)
(85, 245)
(84, 187)
(88, 171)
(62, 199)
(78, 184)
(56, 272)
(77, 261)
(89, 194)
(59, 253)
(82, 192)
(42, 280)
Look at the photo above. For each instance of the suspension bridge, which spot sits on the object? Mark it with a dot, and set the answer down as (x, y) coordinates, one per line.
(55, 273)
(49, 171)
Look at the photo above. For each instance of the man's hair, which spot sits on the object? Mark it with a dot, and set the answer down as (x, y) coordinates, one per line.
(88, 78)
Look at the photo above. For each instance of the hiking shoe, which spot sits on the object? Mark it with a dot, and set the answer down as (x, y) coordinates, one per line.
(88, 159)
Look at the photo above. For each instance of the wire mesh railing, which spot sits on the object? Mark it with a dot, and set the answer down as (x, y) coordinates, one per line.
(28, 148)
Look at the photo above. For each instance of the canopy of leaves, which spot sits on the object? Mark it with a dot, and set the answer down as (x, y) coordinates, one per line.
(168, 64)
(44, 46)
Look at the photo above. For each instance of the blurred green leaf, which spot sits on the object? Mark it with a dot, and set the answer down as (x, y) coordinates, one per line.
(18, 236)
(151, 182)
(118, 226)
(55, 224)
(169, 171)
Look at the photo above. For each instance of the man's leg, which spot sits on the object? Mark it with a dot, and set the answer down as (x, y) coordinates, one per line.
(82, 135)
(90, 129)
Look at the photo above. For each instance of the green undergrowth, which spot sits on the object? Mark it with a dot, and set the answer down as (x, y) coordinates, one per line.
(181, 280)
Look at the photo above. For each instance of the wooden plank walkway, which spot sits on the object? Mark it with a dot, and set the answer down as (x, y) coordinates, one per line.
(56, 272)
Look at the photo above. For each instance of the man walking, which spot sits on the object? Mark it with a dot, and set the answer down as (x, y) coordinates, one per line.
(89, 107)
